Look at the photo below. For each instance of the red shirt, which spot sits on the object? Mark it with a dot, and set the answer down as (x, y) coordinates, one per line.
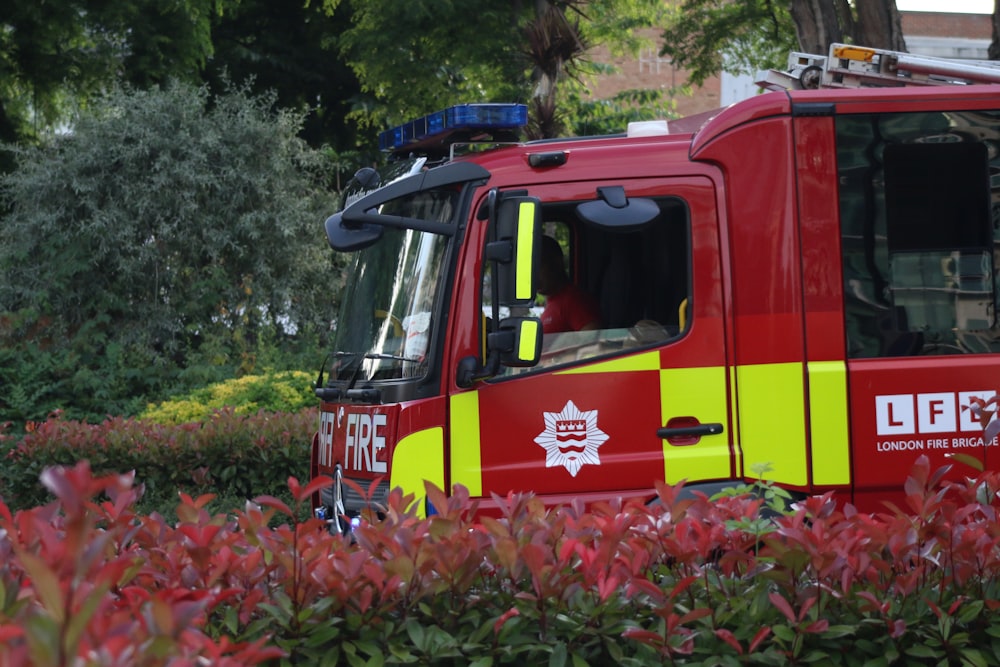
(569, 309)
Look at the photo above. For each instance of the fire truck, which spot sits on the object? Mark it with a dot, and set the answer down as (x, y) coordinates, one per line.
(801, 286)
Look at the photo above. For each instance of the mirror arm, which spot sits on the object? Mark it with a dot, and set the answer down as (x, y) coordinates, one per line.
(470, 371)
(500, 251)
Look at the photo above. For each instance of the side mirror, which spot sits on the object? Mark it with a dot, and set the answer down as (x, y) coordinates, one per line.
(515, 249)
(512, 253)
(348, 238)
(518, 341)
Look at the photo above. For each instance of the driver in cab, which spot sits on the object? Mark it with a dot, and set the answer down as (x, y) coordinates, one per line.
(567, 307)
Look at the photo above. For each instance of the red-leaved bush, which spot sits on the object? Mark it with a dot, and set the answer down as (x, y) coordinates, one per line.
(87, 581)
(231, 455)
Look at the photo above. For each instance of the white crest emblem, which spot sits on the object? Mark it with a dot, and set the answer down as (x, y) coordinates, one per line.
(571, 438)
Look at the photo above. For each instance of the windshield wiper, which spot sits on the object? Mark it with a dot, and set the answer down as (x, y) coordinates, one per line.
(393, 357)
(367, 394)
(332, 393)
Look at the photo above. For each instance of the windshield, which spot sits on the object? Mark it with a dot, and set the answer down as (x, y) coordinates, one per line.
(392, 296)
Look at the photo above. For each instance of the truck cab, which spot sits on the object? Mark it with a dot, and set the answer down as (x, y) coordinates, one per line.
(800, 287)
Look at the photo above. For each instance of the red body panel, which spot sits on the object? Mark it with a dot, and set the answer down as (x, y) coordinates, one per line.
(902, 409)
(623, 410)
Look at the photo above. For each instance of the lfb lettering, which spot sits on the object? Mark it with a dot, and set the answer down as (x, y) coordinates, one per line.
(364, 443)
(906, 414)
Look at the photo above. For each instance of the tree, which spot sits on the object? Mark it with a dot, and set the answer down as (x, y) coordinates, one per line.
(707, 36)
(422, 55)
(170, 239)
(875, 23)
(994, 50)
(743, 36)
(290, 49)
(58, 52)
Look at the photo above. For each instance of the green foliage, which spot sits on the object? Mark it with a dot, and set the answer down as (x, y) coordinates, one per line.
(507, 53)
(618, 583)
(84, 378)
(290, 48)
(416, 57)
(55, 53)
(608, 116)
(707, 36)
(234, 456)
(286, 391)
(169, 231)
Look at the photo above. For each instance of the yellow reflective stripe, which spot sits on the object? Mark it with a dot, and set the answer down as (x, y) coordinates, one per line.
(525, 246)
(466, 461)
(772, 421)
(831, 461)
(528, 339)
(648, 361)
(417, 457)
(701, 393)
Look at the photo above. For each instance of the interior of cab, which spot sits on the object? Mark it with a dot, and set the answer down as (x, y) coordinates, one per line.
(639, 278)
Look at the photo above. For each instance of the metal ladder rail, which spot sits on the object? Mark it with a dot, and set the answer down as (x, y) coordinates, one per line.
(849, 66)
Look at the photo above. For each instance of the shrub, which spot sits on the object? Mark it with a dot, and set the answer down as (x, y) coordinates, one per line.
(172, 237)
(234, 456)
(285, 391)
(679, 583)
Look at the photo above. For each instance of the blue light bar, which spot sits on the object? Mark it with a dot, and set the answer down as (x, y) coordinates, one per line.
(462, 121)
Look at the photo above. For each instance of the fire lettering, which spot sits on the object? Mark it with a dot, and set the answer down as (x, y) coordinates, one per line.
(326, 422)
(365, 442)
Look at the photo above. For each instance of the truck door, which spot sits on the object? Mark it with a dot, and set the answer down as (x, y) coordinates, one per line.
(919, 200)
(643, 396)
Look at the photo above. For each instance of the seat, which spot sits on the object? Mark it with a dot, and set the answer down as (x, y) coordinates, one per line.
(621, 288)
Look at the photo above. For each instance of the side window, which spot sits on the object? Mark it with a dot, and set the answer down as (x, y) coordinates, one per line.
(611, 292)
(919, 219)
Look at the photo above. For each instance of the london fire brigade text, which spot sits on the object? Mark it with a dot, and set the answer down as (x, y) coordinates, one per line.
(917, 414)
(940, 412)
(930, 443)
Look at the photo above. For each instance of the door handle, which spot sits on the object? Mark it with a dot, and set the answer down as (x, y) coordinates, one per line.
(711, 428)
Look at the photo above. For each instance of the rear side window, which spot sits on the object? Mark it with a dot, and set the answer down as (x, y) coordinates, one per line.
(920, 208)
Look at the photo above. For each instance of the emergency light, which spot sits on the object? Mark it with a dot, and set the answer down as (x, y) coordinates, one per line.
(457, 123)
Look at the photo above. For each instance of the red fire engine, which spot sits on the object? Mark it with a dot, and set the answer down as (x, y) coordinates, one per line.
(805, 283)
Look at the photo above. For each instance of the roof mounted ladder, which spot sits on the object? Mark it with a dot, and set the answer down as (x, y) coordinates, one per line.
(849, 66)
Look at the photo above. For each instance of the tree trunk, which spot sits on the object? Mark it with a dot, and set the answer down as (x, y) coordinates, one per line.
(879, 25)
(819, 23)
(994, 51)
(816, 25)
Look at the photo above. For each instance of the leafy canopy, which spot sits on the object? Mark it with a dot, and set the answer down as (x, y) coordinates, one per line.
(415, 57)
(706, 37)
(57, 52)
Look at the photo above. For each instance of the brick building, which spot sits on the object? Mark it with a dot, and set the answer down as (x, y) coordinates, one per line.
(944, 35)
